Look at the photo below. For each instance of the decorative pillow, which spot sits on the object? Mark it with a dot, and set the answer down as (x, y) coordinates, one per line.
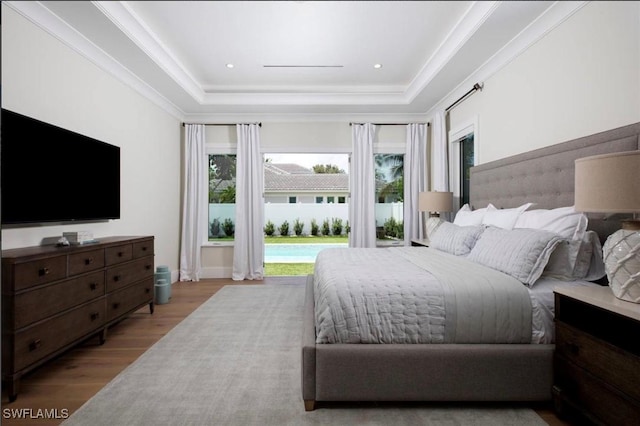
(432, 225)
(468, 217)
(570, 260)
(565, 221)
(521, 253)
(454, 239)
(596, 266)
(503, 218)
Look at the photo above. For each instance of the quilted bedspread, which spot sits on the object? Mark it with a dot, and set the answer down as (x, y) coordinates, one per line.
(415, 295)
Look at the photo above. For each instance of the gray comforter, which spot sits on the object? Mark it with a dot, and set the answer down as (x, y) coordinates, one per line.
(415, 295)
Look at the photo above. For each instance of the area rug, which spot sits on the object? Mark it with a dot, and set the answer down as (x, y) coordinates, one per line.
(236, 361)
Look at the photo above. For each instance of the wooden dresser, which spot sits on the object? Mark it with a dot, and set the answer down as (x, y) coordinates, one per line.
(597, 358)
(55, 297)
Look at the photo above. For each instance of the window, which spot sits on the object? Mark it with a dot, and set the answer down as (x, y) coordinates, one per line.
(222, 196)
(293, 200)
(463, 154)
(319, 200)
(331, 199)
(467, 157)
(389, 175)
(342, 200)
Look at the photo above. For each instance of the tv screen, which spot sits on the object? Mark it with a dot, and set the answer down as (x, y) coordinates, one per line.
(50, 174)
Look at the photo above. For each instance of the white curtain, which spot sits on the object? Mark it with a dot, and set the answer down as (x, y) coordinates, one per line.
(248, 251)
(440, 153)
(362, 217)
(415, 172)
(195, 201)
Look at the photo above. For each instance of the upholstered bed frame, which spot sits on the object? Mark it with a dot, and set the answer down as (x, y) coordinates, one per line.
(462, 372)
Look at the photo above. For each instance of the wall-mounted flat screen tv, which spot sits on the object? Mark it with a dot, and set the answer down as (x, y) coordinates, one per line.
(50, 174)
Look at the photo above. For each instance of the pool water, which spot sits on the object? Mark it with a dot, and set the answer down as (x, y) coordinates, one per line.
(295, 253)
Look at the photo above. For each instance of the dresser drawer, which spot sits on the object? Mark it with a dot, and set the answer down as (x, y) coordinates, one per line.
(142, 249)
(129, 298)
(122, 276)
(619, 368)
(86, 261)
(40, 340)
(35, 305)
(38, 272)
(118, 254)
(606, 404)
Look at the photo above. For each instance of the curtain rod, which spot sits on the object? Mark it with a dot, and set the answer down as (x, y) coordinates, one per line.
(477, 86)
(391, 124)
(222, 124)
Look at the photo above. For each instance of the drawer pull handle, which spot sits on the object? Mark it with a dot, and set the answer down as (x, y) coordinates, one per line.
(147, 290)
(116, 305)
(88, 261)
(93, 286)
(95, 316)
(147, 267)
(116, 277)
(144, 248)
(43, 271)
(35, 345)
(572, 348)
(120, 254)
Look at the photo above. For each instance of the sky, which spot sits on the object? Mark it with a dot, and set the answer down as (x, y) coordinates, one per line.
(310, 160)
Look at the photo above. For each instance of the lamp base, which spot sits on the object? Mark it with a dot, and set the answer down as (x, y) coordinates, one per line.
(622, 261)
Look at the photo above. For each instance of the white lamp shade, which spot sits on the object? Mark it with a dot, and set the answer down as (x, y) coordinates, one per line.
(433, 201)
(608, 183)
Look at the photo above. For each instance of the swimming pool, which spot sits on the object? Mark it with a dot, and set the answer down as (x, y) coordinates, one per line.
(295, 253)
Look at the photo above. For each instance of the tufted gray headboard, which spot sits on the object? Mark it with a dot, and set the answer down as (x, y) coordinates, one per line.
(545, 176)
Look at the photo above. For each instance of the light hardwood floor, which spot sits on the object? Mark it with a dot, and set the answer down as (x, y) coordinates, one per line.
(67, 382)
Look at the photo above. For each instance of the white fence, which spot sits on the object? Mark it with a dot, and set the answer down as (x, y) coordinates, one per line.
(277, 213)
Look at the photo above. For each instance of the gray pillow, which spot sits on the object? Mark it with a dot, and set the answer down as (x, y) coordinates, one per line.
(521, 253)
(454, 239)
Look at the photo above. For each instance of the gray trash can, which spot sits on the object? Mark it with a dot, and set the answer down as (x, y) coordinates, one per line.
(163, 291)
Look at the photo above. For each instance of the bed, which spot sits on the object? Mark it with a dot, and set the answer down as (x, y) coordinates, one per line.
(510, 368)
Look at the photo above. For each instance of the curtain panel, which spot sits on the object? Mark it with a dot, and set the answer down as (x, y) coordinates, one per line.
(415, 173)
(194, 204)
(248, 252)
(440, 153)
(362, 218)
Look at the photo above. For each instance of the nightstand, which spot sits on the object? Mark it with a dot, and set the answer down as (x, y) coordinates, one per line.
(597, 356)
(420, 242)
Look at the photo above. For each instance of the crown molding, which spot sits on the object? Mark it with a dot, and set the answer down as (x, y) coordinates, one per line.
(133, 27)
(468, 24)
(554, 16)
(38, 14)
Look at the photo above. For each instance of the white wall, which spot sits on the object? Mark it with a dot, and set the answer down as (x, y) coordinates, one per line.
(581, 78)
(45, 79)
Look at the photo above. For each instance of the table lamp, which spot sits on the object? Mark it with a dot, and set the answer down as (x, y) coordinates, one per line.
(435, 203)
(610, 183)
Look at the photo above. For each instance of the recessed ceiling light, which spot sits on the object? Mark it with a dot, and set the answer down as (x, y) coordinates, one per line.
(377, 66)
(229, 65)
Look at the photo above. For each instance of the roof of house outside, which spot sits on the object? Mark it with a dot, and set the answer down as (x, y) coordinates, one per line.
(293, 177)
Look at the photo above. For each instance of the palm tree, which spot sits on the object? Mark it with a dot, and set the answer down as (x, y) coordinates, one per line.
(394, 163)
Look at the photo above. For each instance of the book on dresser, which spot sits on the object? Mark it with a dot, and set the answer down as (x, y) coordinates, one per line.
(54, 298)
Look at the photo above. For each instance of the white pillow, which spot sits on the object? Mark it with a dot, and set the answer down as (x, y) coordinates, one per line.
(565, 221)
(521, 253)
(468, 217)
(503, 218)
(432, 225)
(570, 260)
(596, 267)
(454, 239)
